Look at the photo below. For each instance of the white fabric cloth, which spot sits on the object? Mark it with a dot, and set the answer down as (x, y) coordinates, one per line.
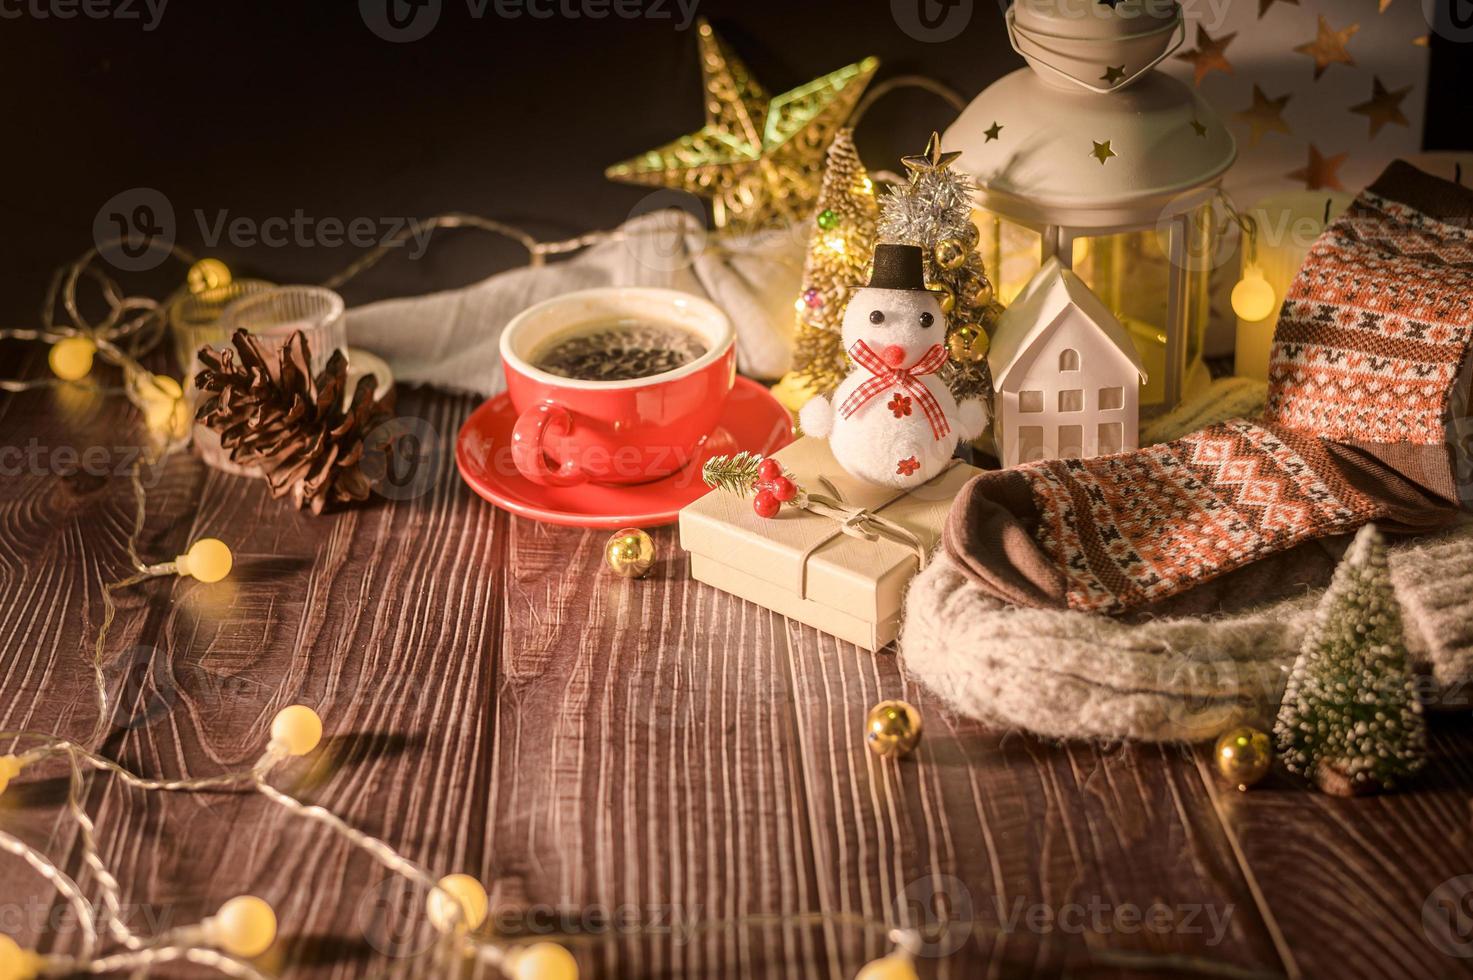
(449, 339)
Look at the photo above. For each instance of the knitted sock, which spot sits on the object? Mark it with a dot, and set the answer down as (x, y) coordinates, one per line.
(1366, 362)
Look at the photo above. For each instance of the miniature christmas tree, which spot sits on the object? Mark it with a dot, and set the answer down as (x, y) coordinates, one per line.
(934, 211)
(840, 250)
(1351, 719)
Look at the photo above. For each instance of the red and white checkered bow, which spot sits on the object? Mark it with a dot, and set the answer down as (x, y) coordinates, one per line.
(906, 378)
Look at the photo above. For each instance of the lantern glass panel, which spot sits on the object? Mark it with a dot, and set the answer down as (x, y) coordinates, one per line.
(1133, 274)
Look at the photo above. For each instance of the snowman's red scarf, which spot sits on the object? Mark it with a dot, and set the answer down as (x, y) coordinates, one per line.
(908, 379)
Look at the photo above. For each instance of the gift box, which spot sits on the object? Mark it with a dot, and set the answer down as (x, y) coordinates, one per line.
(805, 565)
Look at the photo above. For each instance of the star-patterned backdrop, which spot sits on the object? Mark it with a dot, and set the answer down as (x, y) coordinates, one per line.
(1318, 93)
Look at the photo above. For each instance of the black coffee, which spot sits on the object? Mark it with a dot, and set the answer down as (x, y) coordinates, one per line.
(619, 350)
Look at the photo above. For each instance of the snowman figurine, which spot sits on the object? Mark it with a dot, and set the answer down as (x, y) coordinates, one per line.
(893, 421)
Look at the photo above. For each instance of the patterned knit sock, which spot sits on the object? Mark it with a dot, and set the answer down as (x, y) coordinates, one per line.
(1367, 361)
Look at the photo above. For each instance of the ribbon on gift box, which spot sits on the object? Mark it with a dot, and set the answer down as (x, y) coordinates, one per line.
(865, 523)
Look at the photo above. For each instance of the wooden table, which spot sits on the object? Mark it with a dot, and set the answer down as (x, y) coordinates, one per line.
(606, 753)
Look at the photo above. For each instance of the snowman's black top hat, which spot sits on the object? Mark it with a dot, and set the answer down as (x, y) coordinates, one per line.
(898, 267)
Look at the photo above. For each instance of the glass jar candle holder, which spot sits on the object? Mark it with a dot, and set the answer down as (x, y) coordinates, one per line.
(194, 320)
(272, 316)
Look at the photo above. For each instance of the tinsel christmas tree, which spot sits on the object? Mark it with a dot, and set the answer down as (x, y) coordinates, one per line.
(1351, 719)
(934, 211)
(840, 250)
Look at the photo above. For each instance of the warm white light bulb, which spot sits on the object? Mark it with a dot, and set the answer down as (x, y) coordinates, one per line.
(296, 729)
(1253, 297)
(245, 926)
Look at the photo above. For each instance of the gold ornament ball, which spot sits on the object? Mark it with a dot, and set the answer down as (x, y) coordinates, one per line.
(944, 296)
(461, 890)
(976, 291)
(543, 961)
(892, 728)
(207, 274)
(970, 236)
(245, 926)
(71, 358)
(630, 553)
(892, 967)
(1244, 756)
(968, 344)
(949, 253)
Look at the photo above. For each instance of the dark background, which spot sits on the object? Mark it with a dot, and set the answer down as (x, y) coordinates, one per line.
(261, 108)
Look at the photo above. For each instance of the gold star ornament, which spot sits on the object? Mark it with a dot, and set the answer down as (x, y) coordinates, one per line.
(1384, 106)
(1208, 55)
(758, 158)
(932, 159)
(1265, 115)
(1102, 151)
(1321, 171)
(1328, 47)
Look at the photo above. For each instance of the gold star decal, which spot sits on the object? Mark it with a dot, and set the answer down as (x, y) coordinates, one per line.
(1199, 128)
(1208, 54)
(1263, 6)
(759, 158)
(992, 132)
(1112, 74)
(1384, 107)
(1320, 172)
(1328, 47)
(1102, 151)
(933, 158)
(1265, 115)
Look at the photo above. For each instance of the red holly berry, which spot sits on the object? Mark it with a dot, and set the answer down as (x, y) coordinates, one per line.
(769, 470)
(766, 504)
(783, 489)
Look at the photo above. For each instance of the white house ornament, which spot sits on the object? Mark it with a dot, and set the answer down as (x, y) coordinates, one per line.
(1066, 377)
(893, 421)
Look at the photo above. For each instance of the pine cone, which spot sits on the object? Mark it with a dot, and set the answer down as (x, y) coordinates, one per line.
(293, 428)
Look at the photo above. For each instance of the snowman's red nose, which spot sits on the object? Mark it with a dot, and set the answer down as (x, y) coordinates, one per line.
(893, 355)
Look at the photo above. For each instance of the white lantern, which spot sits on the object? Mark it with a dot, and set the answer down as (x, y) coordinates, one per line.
(1093, 156)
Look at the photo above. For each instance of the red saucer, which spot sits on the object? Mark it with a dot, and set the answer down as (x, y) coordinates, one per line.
(753, 420)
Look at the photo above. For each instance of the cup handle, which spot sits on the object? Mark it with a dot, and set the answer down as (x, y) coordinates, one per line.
(527, 451)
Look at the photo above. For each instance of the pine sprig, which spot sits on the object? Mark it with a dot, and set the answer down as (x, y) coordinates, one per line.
(735, 474)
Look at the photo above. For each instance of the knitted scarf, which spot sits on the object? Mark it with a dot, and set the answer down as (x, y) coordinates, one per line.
(1365, 367)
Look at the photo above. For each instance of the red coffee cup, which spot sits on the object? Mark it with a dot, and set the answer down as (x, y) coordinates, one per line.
(570, 431)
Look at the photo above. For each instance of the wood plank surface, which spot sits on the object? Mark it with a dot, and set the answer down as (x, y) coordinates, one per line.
(639, 763)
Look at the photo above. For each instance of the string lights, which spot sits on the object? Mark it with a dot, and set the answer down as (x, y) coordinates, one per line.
(245, 926)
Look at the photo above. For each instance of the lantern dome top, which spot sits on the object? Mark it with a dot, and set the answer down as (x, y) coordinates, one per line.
(1045, 154)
